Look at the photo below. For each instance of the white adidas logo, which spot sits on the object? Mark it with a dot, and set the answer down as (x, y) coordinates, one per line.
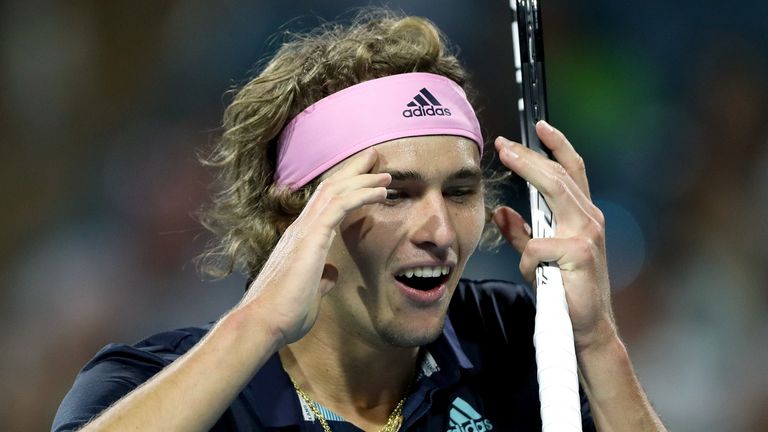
(464, 418)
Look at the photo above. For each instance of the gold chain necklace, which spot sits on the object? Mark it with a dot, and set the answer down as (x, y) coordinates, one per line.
(394, 421)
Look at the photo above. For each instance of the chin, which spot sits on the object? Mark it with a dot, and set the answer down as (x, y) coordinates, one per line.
(407, 337)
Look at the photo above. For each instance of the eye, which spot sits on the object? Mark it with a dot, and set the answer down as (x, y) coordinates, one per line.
(460, 193)
(394, 194)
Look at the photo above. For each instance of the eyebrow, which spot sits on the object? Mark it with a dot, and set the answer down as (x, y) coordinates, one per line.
(467, 174)
(463, 174)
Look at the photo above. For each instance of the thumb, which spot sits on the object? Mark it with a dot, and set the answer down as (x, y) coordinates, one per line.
(513, 227)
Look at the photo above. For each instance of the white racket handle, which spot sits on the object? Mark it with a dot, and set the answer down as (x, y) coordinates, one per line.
(553, 336)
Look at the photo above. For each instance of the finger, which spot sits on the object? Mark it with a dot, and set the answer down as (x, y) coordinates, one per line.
(565, 154)
(341, 185)
(330, 194)
(568, 253)
(513, 227)
(338, 206)
(360, 163)
(317, 223)
(572, 209)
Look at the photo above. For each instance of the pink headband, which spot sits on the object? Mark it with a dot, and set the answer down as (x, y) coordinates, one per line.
(370, 113)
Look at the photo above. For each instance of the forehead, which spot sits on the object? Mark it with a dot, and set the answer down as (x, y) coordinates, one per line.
(434, 149)
(429, 155)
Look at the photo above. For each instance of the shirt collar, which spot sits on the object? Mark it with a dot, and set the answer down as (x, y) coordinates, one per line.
(280, 407)
(453, 347)
(275, 399)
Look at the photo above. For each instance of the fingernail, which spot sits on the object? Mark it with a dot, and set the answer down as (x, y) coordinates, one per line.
(527, 228)
(547, 126)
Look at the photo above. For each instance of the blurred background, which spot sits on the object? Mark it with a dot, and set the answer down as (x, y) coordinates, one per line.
(104, 105)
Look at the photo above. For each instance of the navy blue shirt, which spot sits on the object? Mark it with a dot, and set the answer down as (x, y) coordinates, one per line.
(479, 375)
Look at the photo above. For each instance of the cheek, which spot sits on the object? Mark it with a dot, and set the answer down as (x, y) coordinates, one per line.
(356, 228)
(366, 237)
(473, 224)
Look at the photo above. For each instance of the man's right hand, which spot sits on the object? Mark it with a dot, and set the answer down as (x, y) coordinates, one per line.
(279, 308)
(288, 290)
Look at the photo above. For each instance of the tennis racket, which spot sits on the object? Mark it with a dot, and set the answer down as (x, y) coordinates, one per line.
(553, 334)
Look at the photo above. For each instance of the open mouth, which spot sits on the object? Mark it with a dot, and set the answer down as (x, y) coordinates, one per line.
(424, 278)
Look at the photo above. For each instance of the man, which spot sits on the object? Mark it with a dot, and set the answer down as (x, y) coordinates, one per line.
(352, 193)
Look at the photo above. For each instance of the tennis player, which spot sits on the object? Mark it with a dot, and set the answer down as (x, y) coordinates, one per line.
(352, 194)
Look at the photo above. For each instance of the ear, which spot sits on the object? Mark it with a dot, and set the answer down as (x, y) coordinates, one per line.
(329, 278)
(332, 264)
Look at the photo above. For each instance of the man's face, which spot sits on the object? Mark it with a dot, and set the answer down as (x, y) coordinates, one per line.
(399, 262)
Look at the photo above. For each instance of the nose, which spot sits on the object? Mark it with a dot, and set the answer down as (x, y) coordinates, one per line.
(434, 224)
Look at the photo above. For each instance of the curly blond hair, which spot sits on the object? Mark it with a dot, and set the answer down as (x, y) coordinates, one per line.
(249, 212)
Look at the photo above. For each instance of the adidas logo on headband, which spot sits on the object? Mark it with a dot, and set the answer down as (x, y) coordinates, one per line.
(426, 104)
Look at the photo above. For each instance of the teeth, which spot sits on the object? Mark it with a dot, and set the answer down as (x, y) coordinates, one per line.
(425, 271)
